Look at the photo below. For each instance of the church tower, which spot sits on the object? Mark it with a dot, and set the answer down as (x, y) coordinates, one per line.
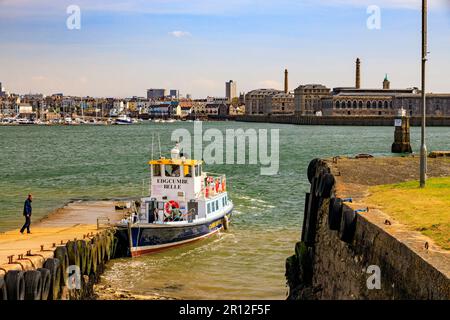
(386, 83)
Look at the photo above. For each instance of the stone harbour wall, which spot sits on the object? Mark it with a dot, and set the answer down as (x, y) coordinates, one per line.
(344, 263)
(432, 121)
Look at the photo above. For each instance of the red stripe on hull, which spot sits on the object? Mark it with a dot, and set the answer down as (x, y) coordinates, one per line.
(155, 250)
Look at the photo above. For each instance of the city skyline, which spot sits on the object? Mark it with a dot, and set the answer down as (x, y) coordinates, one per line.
(123, 49)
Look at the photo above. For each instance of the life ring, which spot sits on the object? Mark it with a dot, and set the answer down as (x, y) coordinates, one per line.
(169, 206)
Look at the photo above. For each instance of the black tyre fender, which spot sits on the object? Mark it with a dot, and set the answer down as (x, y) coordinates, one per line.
(309, 231)
(33, 285)
(335, 214)
(326, 185)
(62, 256)
(54, 267)
(312, 167)
(305, 216)
(15, 285)
(46, 283)
(348, 225)
(316, 189)
(73, 253)
(3, 290)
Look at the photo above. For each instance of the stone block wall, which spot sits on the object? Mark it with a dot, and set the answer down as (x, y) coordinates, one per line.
(333, 269)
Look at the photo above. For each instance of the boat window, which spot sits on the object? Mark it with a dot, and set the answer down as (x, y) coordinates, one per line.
(172, 170)
(156, 170)
(209, 208)
(217, 204)
(198, 170)
(187, 171)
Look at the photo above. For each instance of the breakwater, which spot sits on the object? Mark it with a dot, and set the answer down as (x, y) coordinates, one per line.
(350, 251)
(341, 120)
(62, 258)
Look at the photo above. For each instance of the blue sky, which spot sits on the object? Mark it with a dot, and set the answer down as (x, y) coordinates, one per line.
(125, 47)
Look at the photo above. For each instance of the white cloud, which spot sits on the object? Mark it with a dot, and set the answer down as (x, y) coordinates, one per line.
(180, 34)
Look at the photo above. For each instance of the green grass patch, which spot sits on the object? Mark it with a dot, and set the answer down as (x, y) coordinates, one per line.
(426, 210)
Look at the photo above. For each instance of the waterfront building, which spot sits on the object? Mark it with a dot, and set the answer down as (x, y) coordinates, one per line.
(217, 109)
(356, 101)
(308, 98)
(255, 100)
(174, 94)
(352, 101)
(156, 94)
(9, 105)
(26, 110)
(164, 109)
(437, 104)
(280, 103)
(237, 110)
(185, 108)
(268, 101)
(199, 107)
(230, 90)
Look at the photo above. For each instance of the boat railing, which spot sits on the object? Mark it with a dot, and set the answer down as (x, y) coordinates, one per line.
(190, 215)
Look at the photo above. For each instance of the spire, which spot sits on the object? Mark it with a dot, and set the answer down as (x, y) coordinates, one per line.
(386, 83)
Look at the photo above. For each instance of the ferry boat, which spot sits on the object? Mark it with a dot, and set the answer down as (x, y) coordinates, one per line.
(185, 205)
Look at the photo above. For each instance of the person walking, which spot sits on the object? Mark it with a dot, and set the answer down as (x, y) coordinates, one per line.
(27, 214)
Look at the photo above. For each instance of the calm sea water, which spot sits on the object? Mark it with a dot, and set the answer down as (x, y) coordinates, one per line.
(58, 164)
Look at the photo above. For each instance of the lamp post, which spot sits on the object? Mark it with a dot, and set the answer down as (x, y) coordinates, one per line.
(423, 148)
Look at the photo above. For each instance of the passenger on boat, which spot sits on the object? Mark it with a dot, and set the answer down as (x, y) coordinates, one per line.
(176, 171)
